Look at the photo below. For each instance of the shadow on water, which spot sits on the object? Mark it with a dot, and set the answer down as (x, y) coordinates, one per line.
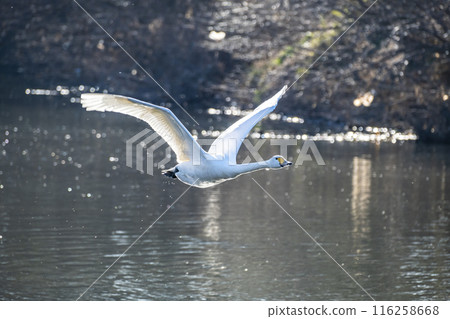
(69, 207)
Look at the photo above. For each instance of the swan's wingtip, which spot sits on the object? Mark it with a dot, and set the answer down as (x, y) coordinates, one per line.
(92, 102)
(281, 92)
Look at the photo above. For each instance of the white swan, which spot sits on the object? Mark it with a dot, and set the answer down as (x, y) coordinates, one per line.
(195, 166)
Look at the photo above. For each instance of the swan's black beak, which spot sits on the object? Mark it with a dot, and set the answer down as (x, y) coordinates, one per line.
(286, 163)
(283, 162)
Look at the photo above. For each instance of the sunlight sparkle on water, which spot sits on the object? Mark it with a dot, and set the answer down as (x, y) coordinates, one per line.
(63, 90)
(354, 134)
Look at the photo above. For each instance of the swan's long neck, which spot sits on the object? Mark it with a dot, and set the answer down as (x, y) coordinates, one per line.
(250, 167)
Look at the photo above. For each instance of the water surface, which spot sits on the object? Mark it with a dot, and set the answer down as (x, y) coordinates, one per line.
(69, 207)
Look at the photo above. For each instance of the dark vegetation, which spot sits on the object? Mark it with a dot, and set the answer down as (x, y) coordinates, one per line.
(392, 68)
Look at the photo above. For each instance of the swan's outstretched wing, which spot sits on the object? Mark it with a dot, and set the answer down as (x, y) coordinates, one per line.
(161, 119)
(228, 143)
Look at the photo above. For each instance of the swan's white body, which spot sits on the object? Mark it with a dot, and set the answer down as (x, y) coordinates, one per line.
(213, 172)
(195, 166)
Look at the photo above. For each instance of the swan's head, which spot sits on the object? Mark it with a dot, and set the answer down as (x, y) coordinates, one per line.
(278, 161)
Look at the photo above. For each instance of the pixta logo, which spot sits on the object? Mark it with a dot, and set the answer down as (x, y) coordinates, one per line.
(141, 148)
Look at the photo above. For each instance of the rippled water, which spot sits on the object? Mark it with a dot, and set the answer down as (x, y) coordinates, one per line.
(69, 207)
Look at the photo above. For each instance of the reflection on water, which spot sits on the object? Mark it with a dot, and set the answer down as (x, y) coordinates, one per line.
(361, 177)
(212, 227)
(69, 207)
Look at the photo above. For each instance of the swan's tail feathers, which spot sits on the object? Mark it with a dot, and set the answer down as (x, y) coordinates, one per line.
(171, 172)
